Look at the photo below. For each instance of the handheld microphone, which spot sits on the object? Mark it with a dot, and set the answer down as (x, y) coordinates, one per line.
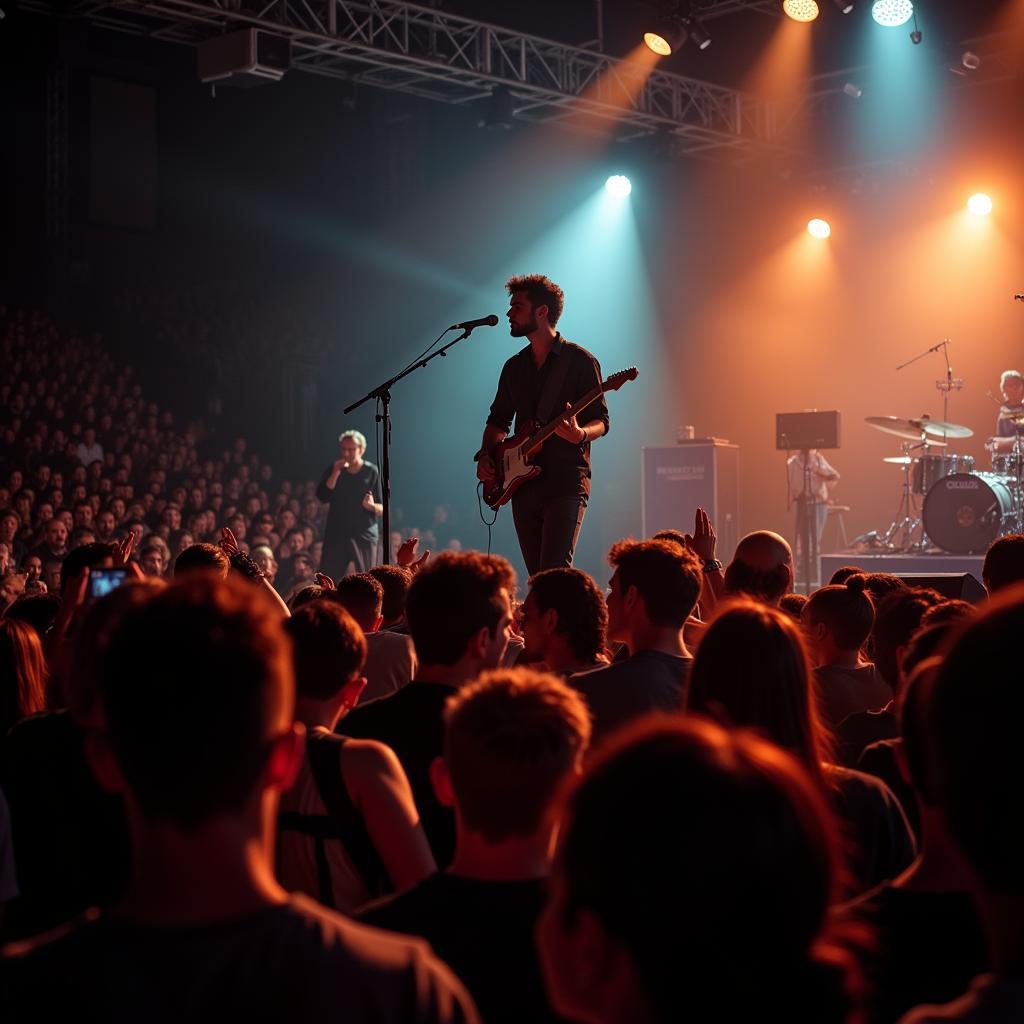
(484, 321)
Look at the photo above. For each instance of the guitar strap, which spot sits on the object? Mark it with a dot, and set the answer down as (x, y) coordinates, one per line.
(553, 385)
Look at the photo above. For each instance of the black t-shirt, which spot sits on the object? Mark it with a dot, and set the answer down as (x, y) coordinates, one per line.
(70, 837)
(565, 467)
(484, 932)
(876, 836)
(293, 962)
(927, 948)
(411, 723)
(858, 731)
(880, 760)
(646, 681)
(346, 517)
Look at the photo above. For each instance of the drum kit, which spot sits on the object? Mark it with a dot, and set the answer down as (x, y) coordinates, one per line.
(945, 503)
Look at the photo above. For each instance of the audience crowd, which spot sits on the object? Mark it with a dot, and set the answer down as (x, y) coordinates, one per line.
(231, 786)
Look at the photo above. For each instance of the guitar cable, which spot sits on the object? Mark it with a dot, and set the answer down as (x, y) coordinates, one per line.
(480, 508)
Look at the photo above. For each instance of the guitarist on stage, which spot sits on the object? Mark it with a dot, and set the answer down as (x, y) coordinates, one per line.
(536, 384)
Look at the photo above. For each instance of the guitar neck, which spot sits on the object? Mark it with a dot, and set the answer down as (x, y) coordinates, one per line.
(545, 432)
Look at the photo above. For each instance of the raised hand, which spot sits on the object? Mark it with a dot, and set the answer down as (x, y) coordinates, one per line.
(368, 503)
(324, 581)
(123, 549)
(406, 555)
(228, 543)
(704, 540)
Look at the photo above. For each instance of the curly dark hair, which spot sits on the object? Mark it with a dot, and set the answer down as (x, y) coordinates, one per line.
(582, 612)
(541, 291)
(666, 576)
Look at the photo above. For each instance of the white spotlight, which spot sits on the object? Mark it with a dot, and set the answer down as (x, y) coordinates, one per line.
(819, 228)
(618, 185)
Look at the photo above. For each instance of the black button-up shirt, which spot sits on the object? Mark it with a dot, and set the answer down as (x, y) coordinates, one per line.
(565, 467)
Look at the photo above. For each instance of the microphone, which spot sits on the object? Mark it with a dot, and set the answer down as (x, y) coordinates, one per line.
(484, 321)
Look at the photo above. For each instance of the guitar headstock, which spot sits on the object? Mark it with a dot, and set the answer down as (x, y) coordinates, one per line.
(616, 380)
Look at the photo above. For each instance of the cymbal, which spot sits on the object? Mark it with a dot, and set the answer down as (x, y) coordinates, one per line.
(909, 430)
(936, 428)
(899, 460)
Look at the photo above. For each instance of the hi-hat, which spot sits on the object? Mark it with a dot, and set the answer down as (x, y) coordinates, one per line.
(936, 428)
(909, 430)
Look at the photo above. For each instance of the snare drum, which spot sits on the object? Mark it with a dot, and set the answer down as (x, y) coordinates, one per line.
(1005, 464)
(928, 470)
(963, 514)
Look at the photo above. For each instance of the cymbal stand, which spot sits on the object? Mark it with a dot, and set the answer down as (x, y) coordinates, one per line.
(906, 523)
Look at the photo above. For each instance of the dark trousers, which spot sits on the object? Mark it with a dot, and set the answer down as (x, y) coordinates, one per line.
(349, 551)
(547, 527)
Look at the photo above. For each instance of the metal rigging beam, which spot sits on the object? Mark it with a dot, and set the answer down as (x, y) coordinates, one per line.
(426, 52)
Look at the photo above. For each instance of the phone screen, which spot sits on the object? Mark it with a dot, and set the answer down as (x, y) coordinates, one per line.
(103, 581)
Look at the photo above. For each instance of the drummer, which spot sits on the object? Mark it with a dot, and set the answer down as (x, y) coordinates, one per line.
(1011, 384)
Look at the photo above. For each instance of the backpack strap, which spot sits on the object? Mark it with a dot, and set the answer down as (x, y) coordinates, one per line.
(342, 822)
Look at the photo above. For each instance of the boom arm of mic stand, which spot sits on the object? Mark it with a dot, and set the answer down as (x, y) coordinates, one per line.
(926, 352)
(383, 392)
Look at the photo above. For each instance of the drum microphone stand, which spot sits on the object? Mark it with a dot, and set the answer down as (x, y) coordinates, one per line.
(950, 383)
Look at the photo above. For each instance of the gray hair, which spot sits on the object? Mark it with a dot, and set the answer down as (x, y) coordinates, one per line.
(359, 439)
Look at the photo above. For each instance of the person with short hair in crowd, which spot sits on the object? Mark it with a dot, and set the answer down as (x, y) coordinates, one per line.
(390, 654)
(695, 880)
(898, 616)
(564, 622)
(459, 610)
(837, 621)
(512, 739)
(348, 828)
(200, 754)
(1004, 563)
(653, 590)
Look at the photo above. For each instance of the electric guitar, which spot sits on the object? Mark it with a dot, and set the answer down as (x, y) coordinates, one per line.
(512, 465)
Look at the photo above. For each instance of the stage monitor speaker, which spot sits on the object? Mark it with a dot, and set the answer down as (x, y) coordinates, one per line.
(960, 585)
(797, 430)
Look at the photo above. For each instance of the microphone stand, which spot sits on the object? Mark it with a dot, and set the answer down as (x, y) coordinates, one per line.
(383, 392)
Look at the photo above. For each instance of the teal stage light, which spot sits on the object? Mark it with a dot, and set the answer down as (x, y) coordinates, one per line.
(892, 13)
(618, 185)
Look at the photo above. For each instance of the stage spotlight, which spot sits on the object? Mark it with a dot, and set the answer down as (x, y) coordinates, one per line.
(892, 13)
(801, 10)
(818, 228)
(980, 204)
(667, 36)
(853, 90)
(698, 33)
(845, 6)
(618, 185)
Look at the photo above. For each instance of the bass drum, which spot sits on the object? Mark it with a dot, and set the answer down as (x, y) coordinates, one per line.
(964, 513)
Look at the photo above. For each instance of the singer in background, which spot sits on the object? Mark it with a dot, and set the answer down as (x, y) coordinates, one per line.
(815, 501)
(537, 383)
(1011, 384)
(351, 488)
